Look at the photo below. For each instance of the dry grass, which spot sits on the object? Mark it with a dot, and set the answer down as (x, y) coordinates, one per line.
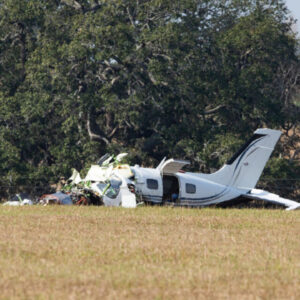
(149, 253)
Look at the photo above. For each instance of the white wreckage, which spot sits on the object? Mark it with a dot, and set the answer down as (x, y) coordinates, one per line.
(19, 200)
(109, 180)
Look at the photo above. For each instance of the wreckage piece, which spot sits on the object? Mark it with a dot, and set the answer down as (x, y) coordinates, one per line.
(56, 198)
(86, 196)
(107, 161)
(103, 170)
(102, 174)
(105, 183)
(115, 192)
(75, 177)
(272, 198)
(80, 189)
(97, 174)
(123, 170)
(19, 200)
(120, 156)
(111, 160)
(128, 198)
(103, 159)
(80, 200)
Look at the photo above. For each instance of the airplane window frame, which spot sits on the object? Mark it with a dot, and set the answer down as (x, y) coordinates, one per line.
(188, 186)
(150, 186)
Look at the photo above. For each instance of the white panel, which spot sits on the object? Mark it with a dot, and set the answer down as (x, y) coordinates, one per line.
(172, 166)
(273, 198)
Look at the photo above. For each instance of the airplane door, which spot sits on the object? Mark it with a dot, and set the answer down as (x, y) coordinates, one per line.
(171, 184)
(172, 166)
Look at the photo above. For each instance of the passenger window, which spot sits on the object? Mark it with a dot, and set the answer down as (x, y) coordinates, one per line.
(190, 188)
(152, 184)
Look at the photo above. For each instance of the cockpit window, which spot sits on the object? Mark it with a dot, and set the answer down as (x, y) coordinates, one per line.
(152, 184)
(112, 192)
(115, 182)
(101, 186)
(190, 188)
(110, 189)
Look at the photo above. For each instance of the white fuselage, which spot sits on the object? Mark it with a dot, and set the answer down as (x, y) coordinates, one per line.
(180, 188)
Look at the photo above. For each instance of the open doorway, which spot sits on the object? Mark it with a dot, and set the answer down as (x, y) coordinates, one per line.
(170, 188)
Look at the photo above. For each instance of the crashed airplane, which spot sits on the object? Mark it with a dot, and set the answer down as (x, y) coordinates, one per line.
(121, 185)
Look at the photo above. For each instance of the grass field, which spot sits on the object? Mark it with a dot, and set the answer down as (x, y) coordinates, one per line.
(149, 253)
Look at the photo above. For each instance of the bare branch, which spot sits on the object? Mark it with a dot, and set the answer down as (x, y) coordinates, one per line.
(114, 80)
(130, 17)
(113, 131)
(74, 4)
(213, 110)
(94, 136)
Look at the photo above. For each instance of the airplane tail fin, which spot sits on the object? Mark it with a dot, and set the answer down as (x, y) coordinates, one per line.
(243, 170)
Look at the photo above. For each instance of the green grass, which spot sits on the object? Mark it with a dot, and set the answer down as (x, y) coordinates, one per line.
(148, 252)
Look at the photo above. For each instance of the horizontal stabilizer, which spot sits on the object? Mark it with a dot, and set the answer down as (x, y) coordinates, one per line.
(272, 198)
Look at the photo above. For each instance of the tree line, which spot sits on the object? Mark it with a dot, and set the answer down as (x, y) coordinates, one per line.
(189, 79)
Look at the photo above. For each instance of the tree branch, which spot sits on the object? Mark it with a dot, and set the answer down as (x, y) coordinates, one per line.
(213, 110)
(94, 136)
(74, 4)
(130, 17)
(113, 131)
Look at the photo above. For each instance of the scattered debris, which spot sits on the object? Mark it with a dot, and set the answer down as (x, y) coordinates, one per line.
(56, 198)
(19, 200)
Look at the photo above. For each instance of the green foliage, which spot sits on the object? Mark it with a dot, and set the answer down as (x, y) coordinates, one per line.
(282, 176)
(279, 168)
